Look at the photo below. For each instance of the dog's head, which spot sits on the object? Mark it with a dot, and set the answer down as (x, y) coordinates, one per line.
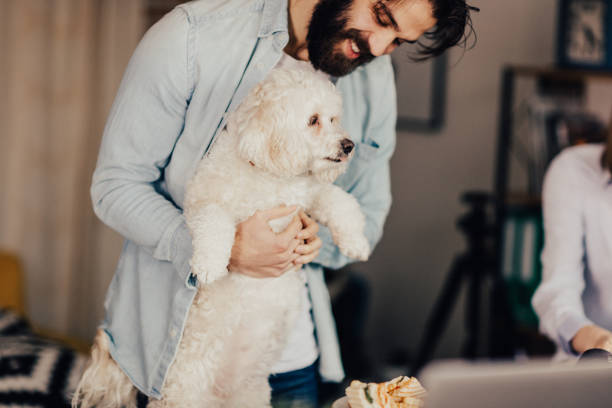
(289, 125)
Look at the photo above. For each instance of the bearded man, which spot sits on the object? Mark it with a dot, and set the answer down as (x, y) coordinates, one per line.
(190, 70)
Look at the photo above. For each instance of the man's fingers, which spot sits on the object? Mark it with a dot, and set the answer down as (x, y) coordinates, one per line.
(312, 245)
(285, 251)
(305, 259)
(306, 220)
(261, 272)
(293, 245)
(286, 254)
(310, 227)
(291, 231)
(284, 266)
(275, 270)
(277, 212)
(288, 265)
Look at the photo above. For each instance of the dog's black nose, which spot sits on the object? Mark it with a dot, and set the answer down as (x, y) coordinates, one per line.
(347, 146)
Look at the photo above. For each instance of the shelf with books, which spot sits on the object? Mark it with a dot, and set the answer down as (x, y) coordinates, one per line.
(559, 73)
(542, 111)
(523, 200)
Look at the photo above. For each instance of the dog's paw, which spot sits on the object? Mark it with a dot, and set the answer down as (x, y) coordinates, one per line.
(206, 270)
(355, 246)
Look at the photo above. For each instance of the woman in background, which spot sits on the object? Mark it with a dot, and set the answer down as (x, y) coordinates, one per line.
(574, 299)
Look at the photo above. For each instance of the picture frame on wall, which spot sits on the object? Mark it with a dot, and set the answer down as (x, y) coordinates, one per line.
(421, 93)
(584, 34)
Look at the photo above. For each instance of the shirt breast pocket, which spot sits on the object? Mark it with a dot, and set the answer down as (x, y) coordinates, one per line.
(365, 153)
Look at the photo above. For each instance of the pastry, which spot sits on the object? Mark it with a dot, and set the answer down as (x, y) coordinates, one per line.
(400, 392)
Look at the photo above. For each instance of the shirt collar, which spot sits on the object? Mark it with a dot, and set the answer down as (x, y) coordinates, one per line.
(275, 17)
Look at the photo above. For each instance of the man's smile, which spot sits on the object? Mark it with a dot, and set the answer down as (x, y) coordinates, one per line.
(353, 50)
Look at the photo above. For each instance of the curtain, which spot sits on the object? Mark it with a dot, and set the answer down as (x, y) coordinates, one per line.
(60, 65)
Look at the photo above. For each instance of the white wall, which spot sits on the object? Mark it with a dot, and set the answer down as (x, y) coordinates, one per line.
(430, 171)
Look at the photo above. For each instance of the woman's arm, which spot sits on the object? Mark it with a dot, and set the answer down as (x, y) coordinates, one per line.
(592, 337)
(558, 299)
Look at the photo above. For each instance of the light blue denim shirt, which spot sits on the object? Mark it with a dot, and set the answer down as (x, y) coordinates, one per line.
(191, 69)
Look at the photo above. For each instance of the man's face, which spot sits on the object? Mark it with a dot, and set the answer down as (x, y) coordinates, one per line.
(344, 34)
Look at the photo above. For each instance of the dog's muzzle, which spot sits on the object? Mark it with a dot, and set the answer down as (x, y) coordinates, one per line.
(346, 147)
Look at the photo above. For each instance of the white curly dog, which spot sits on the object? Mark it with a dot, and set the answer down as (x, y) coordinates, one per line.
(283, 146)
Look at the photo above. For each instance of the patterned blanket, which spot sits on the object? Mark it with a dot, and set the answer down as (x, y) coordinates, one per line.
(35, 372)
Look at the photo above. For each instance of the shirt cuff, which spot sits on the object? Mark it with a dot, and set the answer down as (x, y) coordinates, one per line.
(181, 253)
(568, 329)
(329, 254)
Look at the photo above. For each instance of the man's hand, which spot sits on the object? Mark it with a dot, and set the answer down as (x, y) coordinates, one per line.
(310, 241)
(260, 252)
(590, 337)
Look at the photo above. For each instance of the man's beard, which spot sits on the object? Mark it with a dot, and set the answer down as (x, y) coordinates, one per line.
(326, 34)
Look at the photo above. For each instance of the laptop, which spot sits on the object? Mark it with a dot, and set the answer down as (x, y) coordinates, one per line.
(538, 384)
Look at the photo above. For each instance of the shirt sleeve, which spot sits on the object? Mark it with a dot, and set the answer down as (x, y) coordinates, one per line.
(558, 299)
(145, 121)
(373, 188)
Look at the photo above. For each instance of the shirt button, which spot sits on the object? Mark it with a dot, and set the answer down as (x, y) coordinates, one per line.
(173, 333)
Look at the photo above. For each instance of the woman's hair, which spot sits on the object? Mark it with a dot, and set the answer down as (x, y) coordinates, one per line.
(453, 27)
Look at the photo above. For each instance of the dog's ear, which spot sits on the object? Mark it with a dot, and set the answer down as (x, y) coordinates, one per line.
(259, 142)
(265, 135)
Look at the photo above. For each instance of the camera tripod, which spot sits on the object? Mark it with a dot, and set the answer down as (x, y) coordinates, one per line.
(477, 263)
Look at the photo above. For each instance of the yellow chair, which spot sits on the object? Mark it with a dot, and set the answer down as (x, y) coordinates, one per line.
(11, 286)
(12, 296)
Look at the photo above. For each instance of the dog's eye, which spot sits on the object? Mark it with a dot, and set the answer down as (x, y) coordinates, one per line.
(314, 120)
(333, 119)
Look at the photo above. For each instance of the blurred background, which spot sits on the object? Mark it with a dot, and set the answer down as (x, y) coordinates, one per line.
(486, 121)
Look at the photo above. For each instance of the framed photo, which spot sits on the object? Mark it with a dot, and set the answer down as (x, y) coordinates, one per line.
(584, 34)
(421, 93)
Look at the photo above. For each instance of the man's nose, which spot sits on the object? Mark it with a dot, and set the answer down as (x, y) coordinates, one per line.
(381, 42)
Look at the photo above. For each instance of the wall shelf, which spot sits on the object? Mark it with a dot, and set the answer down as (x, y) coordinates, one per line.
(508, 199)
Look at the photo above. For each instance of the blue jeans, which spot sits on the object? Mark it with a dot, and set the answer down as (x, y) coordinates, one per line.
(295, 389)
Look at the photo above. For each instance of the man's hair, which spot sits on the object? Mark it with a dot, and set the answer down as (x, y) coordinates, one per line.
(453, 27)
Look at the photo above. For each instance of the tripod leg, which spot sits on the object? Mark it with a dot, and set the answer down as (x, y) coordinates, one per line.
(472, 313)
(438, 318)
(502, 326)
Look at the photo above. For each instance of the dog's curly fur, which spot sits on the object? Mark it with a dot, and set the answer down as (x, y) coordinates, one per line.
(284, 145)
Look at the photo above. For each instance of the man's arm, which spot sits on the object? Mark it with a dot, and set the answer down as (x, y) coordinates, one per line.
(373, 188)
(144, 124)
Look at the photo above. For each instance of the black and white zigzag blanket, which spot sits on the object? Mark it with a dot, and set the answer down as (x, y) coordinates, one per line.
(34, 372)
